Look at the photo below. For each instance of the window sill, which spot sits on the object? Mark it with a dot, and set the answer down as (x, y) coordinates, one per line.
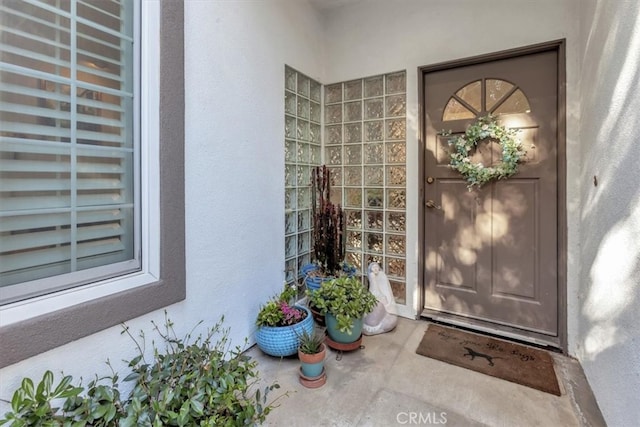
(45, 305)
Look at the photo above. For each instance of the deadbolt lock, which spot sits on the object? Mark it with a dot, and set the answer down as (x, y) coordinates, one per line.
(430, 180)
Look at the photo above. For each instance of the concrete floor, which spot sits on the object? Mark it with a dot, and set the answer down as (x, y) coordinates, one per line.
(386, 384)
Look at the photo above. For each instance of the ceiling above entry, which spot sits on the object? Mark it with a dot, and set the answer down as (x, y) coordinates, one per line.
(325, 5)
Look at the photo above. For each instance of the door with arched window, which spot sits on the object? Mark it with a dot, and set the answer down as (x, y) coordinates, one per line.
(490, 255)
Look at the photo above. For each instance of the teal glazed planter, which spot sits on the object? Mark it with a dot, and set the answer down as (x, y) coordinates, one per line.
(341, 337)
(312, 370)
(280, 341)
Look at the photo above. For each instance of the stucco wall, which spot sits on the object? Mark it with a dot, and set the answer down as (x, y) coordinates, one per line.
(379, 36)
(235, 57)
(234, 60)
(608, 337)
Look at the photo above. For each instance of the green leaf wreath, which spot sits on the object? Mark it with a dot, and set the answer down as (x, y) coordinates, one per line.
(485, 128)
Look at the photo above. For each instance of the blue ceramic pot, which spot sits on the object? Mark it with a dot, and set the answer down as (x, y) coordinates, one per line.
(314, 282)
(307, 268)
(283, 340)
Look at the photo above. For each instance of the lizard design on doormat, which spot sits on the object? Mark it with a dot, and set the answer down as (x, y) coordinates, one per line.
(473, 354)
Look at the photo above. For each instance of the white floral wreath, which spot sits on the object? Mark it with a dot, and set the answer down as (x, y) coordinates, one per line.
(476, 173)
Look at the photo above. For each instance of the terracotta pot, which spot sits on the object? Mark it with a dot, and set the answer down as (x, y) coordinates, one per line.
(313, 382)
(312, 365)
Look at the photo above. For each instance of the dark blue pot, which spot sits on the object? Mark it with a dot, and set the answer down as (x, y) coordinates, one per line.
(349, 270)
(307, 268)
(314, 282)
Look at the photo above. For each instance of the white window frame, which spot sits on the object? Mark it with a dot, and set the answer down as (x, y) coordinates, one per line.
(146, 184)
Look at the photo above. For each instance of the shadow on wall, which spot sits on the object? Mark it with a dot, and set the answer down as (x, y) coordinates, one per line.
(611, 209)
(610, 243)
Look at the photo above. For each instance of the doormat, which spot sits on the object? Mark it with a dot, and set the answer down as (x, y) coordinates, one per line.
(502, 359)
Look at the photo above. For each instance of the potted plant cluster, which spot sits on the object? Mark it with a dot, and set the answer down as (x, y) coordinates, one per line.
(280, 323)
(344, 302)
(312, 352)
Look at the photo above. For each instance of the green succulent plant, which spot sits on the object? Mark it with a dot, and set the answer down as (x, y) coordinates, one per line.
(345, 298)
(311, 343)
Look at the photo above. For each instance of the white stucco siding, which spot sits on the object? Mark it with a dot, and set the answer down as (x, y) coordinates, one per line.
(234, 82)
(235, 56)
(387, 36)
(608, 338)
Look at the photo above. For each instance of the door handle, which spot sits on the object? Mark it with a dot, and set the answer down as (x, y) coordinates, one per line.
(432, 205)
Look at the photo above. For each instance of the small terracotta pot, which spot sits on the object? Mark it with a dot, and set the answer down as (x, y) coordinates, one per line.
(312, 364)
(313, 382)
(313, 358)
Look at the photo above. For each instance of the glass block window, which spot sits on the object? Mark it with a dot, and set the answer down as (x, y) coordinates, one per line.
(365, 147)
(302, 151)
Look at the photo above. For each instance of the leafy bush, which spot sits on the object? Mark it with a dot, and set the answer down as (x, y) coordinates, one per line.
(33, 406)
(344, 297)
(189, 382)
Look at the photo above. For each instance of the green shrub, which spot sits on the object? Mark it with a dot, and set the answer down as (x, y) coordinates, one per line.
(34, 405)
(189, 382)
(344, 297)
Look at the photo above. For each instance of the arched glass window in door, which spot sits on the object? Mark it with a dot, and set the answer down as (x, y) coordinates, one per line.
(484, 96)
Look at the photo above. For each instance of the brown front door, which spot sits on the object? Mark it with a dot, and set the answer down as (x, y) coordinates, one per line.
(491, 254)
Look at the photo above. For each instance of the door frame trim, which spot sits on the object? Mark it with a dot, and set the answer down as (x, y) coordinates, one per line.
(559, 46)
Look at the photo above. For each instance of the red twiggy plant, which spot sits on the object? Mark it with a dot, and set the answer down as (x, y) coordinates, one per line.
(328, 224)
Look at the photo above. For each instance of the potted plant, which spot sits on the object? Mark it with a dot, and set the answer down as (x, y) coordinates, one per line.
(343, 301)
(312, 353)
(328, 238)
(280, 323)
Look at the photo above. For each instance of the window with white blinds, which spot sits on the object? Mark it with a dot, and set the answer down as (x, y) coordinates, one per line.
(68, 144)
